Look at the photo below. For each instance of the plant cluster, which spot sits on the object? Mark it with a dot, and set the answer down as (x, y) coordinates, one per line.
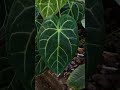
(57, 37)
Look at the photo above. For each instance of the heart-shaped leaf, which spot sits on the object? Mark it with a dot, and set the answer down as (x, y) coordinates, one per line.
(49, 7)
(75, 9)
(57, 42)
(76, 79)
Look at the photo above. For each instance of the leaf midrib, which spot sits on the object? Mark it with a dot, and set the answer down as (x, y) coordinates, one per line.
(59, 30)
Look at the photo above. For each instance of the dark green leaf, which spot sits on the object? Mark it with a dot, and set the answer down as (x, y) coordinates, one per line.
(39, 63)
(57, 42)
(74, 9)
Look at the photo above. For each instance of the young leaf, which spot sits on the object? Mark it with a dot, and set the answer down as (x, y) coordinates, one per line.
(49, 7)
(76, 79)
(57, 42)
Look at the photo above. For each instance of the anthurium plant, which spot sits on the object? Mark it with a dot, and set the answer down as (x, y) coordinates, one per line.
(57, 36)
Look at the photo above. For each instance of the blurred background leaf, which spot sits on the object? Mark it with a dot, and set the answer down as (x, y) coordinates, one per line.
(94, 26)
(76, 79)
(17, 56)
(118, 1)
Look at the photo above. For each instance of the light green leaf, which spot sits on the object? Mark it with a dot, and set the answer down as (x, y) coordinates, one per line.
(76, 79)
(49, 7)
(57, 42)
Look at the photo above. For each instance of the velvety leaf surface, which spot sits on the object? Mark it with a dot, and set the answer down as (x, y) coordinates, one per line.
(57, 42)
(76, 79)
